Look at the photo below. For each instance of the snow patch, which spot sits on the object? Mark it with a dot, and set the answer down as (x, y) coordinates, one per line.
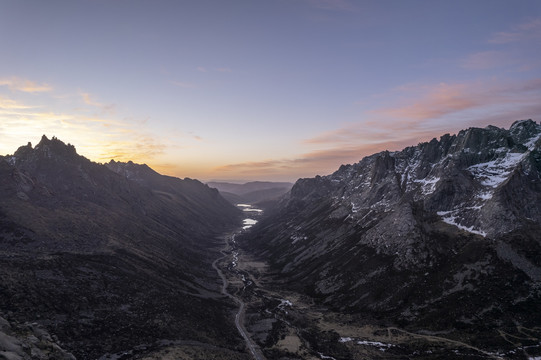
(451, 218)
(380, 345)
(531, 145)
(428, 185)
(495, 172)
(283, 304)
(325, 356)
(487, 195)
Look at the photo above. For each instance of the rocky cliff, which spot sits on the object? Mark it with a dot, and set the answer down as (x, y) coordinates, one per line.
(441, 236)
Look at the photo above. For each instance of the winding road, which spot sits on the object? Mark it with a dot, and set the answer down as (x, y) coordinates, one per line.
(239, 317)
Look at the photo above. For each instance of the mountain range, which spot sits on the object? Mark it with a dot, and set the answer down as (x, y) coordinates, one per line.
(110, 256)
(439, 243)
(260, 193)
(439, 238)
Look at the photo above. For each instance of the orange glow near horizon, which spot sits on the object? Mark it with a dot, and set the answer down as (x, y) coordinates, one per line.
(101, 137)
(206, 91)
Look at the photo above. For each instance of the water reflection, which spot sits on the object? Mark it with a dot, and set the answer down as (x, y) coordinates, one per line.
(254, 212)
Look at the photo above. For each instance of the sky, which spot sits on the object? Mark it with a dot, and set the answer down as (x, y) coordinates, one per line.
(262, 89)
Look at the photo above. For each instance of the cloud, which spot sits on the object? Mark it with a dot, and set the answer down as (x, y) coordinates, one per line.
(17, 84)
(317, 162)
(435, 102)
(89, 100)
(423, 111)
(201, 69)
(517, 48)
(9, 104)
(430, 109)
(99, 137)
(140, 148)
(523, 32)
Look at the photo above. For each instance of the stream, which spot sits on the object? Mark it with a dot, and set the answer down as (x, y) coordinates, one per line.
(239, 316)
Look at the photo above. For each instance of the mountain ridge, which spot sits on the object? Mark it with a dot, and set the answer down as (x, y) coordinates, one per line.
(408, 236)
(107, 263)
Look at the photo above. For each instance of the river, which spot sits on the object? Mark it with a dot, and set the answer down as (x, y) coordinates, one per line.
(228, 251)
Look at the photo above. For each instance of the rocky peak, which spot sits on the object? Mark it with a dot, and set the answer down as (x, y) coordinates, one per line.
(24, 151)
(55, 147)
(465, 179)
(523, 131)
(47, 148)
(132, 171)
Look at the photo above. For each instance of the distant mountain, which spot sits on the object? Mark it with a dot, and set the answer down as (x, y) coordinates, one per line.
(109, 257)
(255, 192)
(443, 236)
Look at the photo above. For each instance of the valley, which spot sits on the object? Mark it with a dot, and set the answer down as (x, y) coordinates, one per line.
(281, 324)
(417, 254)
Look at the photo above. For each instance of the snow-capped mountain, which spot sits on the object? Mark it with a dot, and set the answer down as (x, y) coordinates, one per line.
(467, 179)
(407, 236)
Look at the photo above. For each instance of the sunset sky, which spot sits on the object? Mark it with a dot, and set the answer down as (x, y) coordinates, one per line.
(267, 90)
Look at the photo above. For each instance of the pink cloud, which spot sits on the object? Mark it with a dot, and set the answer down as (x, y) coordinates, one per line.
(424, 112)
(435, 102)
(317, 162)
(89, 100)
(523, 32)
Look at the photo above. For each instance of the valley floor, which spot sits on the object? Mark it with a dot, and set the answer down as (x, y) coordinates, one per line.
(289, 325)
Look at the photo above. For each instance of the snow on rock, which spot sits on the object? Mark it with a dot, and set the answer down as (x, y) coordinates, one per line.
(453, 218)
(428, 185)
(326, 357)
(381, 346)
(495, 172)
